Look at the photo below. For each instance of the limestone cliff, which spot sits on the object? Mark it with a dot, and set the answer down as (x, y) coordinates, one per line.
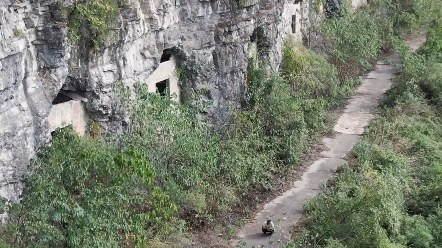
(209, 39)
(33, 66)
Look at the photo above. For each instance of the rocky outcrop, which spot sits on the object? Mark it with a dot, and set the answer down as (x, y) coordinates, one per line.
(33, 56)
(210, 40)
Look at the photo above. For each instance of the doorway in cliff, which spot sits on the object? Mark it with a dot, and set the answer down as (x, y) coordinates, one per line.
(259, 47)
(164, 80)
(163, 87)
(294, 23)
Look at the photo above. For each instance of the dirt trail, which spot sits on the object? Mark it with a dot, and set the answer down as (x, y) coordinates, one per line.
(351, 124)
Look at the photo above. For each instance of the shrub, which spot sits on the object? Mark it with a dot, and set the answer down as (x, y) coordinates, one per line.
(389, 195)
(352, 39)
(91, 20)
(433, 44)
(170, 162)
(84, 193)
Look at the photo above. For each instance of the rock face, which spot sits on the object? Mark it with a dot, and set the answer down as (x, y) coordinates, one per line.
(357, 3)
(209, 39)
(33, 66)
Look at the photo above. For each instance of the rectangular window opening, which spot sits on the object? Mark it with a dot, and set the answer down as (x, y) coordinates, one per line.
(163, 87)
(293, 23)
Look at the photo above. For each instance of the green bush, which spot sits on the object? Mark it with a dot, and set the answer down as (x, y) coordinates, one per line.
(203, 175)
(389, 195)
(126, 189)
(433, 44)
(352, 39)
(91, 20)
(310, 74)
(84, 193)
(366, 203)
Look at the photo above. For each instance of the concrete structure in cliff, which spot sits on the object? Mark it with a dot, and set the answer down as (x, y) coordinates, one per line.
(165, 78)
(68, 109)
(292, 19)
(209, 39)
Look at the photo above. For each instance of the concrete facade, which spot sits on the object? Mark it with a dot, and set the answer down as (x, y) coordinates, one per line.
(166, 71)
(69, 113)
(292, 10)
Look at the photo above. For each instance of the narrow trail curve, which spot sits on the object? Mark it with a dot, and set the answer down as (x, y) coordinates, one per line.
(350, 126)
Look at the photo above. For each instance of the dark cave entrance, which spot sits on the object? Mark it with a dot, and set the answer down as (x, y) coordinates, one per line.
(61, 98)
(165, 57)
(66, 96)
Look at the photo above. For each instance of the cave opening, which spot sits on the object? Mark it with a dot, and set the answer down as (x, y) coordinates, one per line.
(66, 96)
(61, 98)
(165, 57)
(261, 40)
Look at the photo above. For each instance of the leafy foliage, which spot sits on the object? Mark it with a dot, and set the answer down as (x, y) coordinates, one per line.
(433, 44)
(389, 194)
(136, 188)
(85, 193)
(92, 20)
(352, 39)
(131, 185)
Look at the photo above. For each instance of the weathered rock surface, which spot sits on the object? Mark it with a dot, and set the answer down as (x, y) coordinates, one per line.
(33, 67)
(210, 39)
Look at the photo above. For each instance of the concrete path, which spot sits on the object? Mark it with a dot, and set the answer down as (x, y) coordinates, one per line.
(288, 207)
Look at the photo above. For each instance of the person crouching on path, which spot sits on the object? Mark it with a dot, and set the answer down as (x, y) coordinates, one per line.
(268, 226)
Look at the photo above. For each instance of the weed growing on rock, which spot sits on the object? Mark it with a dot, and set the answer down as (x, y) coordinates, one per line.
(91, 20)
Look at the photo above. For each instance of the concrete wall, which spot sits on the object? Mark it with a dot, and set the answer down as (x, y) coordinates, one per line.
(166, 70)
(291, 9)
(252, 49)
(68, 113)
